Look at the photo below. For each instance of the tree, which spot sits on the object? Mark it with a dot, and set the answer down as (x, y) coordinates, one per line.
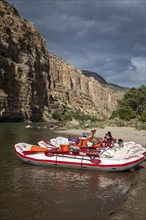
(132, 105)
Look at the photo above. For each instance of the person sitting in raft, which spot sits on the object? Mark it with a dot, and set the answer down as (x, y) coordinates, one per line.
(108, 138)
(91, 135)
(86, 138)
(97, 142)
(121, 142)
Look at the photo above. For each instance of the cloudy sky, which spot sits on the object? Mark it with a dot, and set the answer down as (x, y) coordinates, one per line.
(103, 36)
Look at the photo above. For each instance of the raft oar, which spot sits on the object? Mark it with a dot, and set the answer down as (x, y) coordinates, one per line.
(27, 152)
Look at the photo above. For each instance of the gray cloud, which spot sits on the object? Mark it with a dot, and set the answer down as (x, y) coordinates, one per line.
(107, 37)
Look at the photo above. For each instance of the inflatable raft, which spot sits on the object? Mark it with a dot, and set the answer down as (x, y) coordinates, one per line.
(70, 156)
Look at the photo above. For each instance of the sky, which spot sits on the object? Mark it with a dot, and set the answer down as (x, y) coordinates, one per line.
(102, 36)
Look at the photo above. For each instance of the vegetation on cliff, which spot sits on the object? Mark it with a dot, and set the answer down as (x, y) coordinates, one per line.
(77, 115)
(133, 105)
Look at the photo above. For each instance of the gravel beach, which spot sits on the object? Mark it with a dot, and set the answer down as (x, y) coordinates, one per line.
(135, 203)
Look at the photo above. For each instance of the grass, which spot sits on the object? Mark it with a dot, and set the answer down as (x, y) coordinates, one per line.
(141, 127)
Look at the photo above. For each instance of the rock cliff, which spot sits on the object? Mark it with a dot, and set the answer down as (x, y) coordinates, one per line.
(72, 87)
(24, 74)
(34, 83)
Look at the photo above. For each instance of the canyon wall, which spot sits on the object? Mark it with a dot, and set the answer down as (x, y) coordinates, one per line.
(24, 68)
(35, 83)
(72, 87)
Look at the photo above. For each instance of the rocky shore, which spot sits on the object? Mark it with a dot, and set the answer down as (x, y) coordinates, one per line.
(134, 205)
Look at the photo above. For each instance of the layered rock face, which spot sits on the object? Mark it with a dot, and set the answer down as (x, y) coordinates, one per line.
(32, 81)
(69, 85)
(24, 73)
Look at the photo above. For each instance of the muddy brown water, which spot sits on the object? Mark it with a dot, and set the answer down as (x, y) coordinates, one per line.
(40, 193)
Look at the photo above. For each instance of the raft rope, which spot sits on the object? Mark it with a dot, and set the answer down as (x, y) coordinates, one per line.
(82, 162)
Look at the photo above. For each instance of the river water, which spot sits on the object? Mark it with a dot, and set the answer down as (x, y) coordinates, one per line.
(41, 193)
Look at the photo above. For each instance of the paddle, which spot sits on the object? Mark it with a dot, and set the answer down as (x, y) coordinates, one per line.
(107, 148)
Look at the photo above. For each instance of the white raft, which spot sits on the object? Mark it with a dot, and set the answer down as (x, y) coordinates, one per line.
(135, 148)
(130, 145)
(110, 159)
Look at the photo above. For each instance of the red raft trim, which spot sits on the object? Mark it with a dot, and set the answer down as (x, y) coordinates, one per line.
(82, 164)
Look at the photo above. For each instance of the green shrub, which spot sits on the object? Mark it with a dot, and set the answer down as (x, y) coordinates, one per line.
(132, 105)
(67, 117)
(141, 127)
(115, 114)
(57, 116)
(143, 117)
(127, 114)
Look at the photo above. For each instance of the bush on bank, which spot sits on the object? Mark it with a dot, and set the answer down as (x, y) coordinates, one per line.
(133, 105)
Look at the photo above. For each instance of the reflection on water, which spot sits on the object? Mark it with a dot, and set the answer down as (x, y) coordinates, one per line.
(34, 192)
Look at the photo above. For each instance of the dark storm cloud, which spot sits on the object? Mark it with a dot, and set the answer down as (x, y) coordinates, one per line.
(107, 37)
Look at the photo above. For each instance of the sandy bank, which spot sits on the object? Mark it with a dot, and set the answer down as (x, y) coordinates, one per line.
(126, 133)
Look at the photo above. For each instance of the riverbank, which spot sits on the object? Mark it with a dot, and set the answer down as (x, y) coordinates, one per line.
(125, 133)
(134, 206)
